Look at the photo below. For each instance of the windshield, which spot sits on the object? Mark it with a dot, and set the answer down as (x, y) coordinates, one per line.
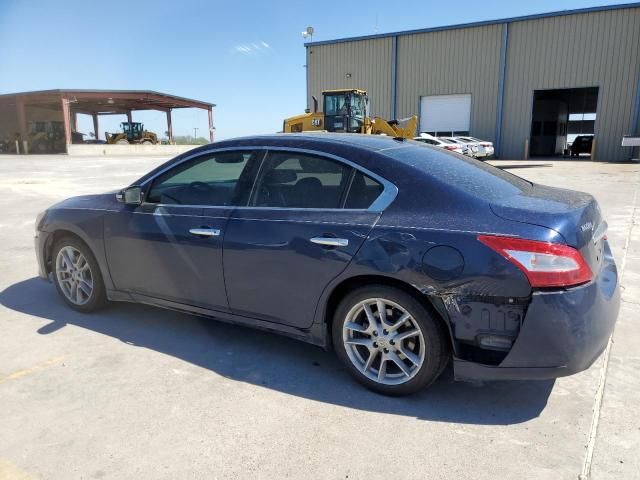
(344, 104)
(335, 104)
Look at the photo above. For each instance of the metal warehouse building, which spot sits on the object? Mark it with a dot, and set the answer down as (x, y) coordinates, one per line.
(527, 83)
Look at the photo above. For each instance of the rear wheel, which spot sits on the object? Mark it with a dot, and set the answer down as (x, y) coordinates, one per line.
(388, 340)
(122, 141)
(77, 275)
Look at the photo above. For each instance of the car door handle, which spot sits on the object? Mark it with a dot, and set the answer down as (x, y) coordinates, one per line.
(330, 241)
(205, 232)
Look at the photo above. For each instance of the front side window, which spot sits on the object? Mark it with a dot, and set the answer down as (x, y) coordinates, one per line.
(357, 105)
(299, 180)
(214, 179)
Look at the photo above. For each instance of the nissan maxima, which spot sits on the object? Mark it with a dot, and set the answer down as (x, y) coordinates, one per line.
(401, 257)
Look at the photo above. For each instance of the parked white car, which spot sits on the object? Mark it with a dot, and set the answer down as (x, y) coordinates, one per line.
(475, 150)
(442, 143)
(488, 146)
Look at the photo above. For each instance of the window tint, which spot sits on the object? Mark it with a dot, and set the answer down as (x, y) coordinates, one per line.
(363, 191)
(217, 179)
(294, 180)
(471, 176)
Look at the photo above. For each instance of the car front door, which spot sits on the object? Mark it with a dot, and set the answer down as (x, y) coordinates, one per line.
(170, 246)
(307, 217)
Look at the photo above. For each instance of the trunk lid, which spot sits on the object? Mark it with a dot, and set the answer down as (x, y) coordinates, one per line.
(574, 215)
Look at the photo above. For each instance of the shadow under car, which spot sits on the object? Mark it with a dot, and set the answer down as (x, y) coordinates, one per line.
(279, 363)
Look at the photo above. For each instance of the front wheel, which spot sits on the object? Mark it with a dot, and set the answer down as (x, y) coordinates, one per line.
(388, 340)
(76, 275)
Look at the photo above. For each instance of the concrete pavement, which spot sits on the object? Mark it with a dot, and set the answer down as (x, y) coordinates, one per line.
(139, 392)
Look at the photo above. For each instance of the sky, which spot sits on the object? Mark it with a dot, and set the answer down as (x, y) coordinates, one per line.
(247, 56)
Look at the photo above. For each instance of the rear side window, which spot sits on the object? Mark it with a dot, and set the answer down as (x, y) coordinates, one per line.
(298, 180)
(471, 176)
(363, 192)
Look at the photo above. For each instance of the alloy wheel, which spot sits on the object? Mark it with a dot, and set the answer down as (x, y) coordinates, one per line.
(74, 275)
(383, 341)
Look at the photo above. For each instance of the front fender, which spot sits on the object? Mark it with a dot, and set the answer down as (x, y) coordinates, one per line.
(86, 224)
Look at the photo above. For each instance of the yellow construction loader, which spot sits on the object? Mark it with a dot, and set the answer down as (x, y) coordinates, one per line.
(132, 132)
(347, 111)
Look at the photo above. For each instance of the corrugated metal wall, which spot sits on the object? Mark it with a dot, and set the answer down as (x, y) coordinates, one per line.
(599, 49)
(595, 49)
(449, 62)
(368, 62)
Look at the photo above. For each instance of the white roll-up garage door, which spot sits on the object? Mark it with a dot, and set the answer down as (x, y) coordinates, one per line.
(445, 113)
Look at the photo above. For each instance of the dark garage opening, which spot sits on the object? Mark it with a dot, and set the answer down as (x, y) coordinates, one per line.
(559, 117)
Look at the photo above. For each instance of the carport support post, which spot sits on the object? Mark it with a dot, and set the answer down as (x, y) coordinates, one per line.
(129, 117)
(211, 124)
(95, 125)
(66, 121)
(22, 122)
(74, 122)
(169, 127)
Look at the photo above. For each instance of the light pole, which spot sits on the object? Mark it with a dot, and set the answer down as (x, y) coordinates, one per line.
(195, 133)
(308, 33)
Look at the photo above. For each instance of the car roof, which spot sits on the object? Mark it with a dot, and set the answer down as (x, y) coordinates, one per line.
(341, 144)
(374, 143)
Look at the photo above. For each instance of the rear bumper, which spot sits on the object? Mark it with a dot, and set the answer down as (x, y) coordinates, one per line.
(563, 332)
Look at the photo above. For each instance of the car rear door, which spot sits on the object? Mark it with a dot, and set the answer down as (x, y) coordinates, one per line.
(308, 216)
(170, 247)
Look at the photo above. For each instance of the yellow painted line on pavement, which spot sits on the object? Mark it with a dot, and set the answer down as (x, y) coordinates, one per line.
(36, 368)
(8, 471)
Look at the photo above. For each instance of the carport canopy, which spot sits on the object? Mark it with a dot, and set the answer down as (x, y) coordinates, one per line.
(95, 103)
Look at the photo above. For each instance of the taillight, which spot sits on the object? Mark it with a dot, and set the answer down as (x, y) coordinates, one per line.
(451, 147)
(545, 264)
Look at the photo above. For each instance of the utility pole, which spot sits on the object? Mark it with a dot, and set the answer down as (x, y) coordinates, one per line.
(195, 133)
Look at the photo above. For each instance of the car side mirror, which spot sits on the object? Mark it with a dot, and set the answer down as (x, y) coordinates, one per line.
(130, 195)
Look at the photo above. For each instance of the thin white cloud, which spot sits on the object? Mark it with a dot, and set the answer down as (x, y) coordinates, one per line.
(251, 48)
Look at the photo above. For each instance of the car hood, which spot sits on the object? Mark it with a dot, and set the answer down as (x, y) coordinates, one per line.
(96, 201)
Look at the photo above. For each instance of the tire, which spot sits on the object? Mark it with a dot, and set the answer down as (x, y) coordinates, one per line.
(73, 282)
(424, 354)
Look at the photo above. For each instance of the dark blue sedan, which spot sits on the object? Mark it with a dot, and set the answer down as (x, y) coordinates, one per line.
(400, 256)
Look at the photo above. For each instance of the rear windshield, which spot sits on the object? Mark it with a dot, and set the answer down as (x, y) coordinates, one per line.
(471, 176)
